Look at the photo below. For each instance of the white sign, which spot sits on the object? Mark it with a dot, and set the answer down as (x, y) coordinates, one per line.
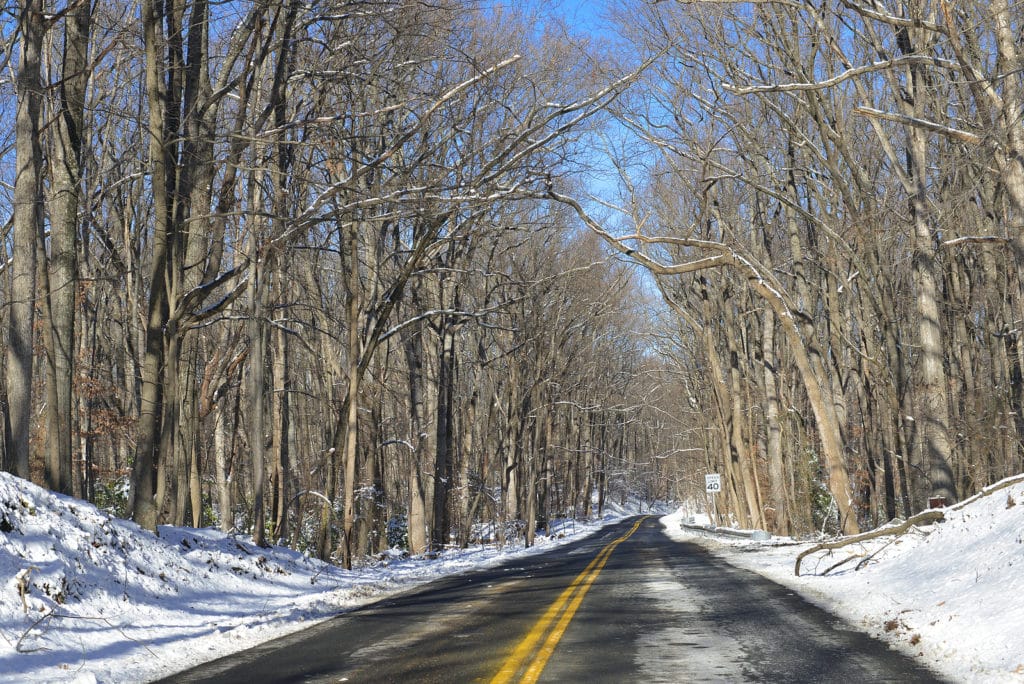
(713, 482)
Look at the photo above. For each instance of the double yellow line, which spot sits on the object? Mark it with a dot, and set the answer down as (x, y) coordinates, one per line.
(526, 654)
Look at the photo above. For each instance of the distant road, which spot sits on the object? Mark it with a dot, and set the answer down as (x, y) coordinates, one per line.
(624, 605)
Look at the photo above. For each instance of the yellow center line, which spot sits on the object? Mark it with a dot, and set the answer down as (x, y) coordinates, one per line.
(566, 604)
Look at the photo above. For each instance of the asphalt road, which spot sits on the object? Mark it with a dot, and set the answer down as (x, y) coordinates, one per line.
(624, 605)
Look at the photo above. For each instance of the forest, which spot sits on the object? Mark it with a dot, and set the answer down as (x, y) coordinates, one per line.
(350, 275)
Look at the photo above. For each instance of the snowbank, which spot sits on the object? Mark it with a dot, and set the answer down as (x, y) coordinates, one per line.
(951, 594)
(85, 597)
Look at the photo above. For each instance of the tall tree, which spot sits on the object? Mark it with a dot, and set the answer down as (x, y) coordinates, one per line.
(66, 170)
(28, 232)
(186, 264)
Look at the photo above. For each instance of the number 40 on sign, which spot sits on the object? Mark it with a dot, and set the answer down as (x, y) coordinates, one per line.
(713, 482)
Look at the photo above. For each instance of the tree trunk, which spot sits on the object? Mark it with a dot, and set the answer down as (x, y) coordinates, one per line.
(141, 502)
(821, 406)
(468, 425)
(417, 525)
(280, 417)
(63, 272)
(934, 407)
(779, 522)
(28, 229)
(223, 474)
(441, 527)
(742, 462)
(257, 388)
(349, 445)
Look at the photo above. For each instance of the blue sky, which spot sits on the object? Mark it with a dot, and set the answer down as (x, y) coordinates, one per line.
(580, 15)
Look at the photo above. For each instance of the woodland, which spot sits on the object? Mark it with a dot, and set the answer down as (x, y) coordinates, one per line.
(351, 275)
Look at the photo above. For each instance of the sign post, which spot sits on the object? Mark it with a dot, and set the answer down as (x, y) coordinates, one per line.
(713, 485)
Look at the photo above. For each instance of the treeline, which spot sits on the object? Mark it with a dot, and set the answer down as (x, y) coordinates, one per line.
(293, 269)
(832, 195)
(322, 271)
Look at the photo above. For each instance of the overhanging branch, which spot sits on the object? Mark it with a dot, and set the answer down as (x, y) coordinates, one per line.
(954, 133)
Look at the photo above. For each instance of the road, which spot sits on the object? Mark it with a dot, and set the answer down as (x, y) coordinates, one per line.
(626, 604)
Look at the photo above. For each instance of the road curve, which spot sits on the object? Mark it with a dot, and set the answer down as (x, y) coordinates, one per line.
(625, 604)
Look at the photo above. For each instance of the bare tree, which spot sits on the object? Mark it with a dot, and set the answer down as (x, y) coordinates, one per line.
(66, 169)
(28, 232)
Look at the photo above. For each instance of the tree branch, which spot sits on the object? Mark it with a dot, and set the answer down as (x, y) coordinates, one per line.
(845, 76)
(955, 133)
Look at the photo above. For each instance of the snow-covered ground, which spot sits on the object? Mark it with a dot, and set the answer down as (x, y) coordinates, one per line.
(85, 597)
(951, 594)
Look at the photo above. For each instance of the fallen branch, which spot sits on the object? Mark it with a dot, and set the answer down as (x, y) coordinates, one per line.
(842, 562)
(923, 518)
(874, 553)
(991, 489)
(17, 646)
(68, 616)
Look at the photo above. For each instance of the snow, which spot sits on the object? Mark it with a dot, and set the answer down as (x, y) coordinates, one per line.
(950, 594)
(85, 597)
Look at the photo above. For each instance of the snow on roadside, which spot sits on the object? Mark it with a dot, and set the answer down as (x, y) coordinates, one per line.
(951, 594)
(85, 597)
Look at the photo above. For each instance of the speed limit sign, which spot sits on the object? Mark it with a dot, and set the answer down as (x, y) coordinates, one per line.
(713, 482)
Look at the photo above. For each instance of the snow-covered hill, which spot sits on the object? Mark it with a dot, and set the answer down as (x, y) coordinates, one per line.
(86, 597)
(951, 594)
